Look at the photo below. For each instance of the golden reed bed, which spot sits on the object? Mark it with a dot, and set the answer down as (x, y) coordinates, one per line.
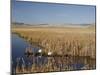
(68, 45)
(75, 41)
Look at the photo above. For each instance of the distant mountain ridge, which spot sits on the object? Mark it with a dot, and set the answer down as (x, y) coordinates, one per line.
(53, 25)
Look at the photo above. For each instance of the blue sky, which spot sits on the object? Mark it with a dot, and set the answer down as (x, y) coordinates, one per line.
(49, 13)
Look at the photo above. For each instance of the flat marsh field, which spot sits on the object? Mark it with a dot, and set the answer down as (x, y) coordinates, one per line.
(61, 41)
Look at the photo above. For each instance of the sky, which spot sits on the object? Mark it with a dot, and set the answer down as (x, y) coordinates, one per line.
(52, 13)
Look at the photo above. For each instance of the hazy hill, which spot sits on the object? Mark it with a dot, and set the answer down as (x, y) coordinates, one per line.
(53, 25)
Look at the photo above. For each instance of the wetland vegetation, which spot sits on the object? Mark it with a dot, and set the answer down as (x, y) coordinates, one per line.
(61, 49)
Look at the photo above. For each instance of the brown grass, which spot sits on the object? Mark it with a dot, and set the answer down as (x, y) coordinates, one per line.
(61, 41)
(78, 44)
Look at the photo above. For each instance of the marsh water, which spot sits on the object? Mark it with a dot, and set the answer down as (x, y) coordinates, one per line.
(19, 46)
(18, 55)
